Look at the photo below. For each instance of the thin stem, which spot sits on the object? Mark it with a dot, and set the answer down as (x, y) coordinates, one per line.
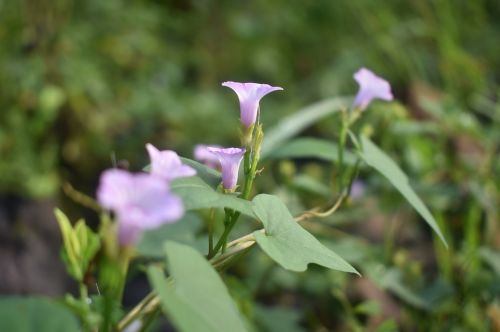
(223, 239)
(342, 141)
(246, 161)
(210, 227)
(114, 287)
(132, 314)
(231, 253)
(81, 198)
(84, 294)
(313, 213)
(124, 260)
(246, 238)
(228, 226)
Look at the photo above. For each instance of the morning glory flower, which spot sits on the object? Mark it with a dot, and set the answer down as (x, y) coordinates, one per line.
(202, 154)
(140, 202)
(371, 87)
(250, 95)
(167, 164)
(230, 160)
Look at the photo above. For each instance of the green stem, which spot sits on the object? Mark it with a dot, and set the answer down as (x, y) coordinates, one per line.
(211, 231)
(113, 285)
(83, 293)
(342, 141)
(124, 262)
(229, 221)
(135, 312)
(246, 161)
(251, 160)
(221, 244)
(228, 226)
(353, 175)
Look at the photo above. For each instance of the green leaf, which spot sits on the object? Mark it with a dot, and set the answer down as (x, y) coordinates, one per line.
(197, 300)
(29, 314)
(295, 123)
(392, 280)
(80, 245)
(287, 242)
(207, 174)
(370, 308)
(389, 325)
(71, 249)
(196, 194)
(184, 231)
(308, 147)
(271, 319)
(377, 159)
(311, 185)
(89, 243)
(491, 257)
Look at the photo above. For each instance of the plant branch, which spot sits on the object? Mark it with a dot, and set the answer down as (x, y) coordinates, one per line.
(151, 302)
(313, 213)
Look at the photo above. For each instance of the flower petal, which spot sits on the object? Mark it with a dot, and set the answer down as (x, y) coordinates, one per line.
(140, 201)
(114, 189)
(249, 95)
(371, 87)
(230, 160)
(167, 164)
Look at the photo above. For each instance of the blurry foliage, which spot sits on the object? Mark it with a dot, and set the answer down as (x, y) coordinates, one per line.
(82, 82)
(85, 83)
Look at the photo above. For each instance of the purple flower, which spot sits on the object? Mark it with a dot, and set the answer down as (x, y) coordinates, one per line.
(250, 95)
(140, 201)
(167, 164)
(230, 160)
(202, 154)
(370, 87)
(358, 188)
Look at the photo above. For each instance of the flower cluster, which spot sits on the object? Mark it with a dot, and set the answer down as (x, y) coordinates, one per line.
(229, 159)
(143, 201)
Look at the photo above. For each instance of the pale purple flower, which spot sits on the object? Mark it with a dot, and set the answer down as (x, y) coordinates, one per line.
(230, 160)
(250, 95)
(358, 188)
(202, 154)
(167, 164)
(140, 202)
(371, 87)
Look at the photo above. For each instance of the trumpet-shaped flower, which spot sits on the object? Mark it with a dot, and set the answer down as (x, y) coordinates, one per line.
(167, 164)
(250, 95)
(140, 202)
(202, 154)
(230, 160)
(371, 87)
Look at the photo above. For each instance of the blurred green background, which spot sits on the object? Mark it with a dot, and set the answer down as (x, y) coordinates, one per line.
(86, 84)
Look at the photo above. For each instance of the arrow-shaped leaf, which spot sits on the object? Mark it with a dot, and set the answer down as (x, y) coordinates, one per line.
(197, 299)
(285, 241)
(379, 160)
